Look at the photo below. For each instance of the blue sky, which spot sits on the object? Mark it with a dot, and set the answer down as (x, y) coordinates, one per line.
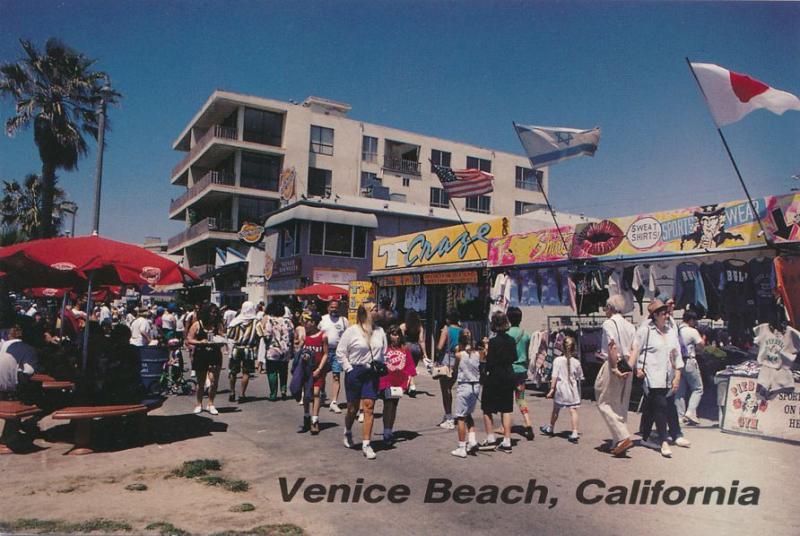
(456, 70)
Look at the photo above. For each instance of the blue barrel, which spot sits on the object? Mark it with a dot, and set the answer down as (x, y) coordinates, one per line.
(152, 359)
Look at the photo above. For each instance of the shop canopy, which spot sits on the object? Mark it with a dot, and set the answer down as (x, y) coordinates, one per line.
(325, 215)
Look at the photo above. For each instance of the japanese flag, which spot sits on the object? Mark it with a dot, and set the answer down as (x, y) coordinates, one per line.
(731, 96)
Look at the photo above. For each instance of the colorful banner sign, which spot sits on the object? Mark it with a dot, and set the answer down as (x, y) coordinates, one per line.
(437, 246)
(748, 412)
(360, 291)
(286, 183)
(782, 222)
(700, 229)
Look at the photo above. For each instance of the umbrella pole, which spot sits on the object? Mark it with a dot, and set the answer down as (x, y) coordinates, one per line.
(86, 327)
(63, 308)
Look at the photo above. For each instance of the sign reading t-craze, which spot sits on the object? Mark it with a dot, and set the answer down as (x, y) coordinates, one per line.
(360, 291)
(748, 412)
(437, 246)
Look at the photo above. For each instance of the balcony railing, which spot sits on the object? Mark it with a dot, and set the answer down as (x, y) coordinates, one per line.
(200, 228)
(394, 163)
(212, 177)
(217, 131)
(369, 157)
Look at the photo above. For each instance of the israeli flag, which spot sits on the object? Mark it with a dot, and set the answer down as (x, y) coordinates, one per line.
(549, 145)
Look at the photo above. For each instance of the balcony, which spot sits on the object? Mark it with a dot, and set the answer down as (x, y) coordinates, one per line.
(393, 163)
(217, 131)
(212, 177)
(200, 228)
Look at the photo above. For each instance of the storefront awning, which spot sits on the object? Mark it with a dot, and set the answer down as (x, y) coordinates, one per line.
(323, 214)
(449, 267)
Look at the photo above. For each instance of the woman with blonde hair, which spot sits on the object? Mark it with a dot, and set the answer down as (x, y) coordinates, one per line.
(361, 345)
(565, 388)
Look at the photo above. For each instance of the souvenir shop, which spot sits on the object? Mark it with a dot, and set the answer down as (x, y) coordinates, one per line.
(436, 271)
(712, 259)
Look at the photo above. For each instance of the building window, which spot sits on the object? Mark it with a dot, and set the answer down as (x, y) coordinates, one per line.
(368, 182)
(255, 210)
(479, 203)
(288, 240)
(521, 207)
(439, 198)
(529, 179)
(406, 182)
(321, 140)
(319, 182)
(337, 240)
(369, 149)
(439, 158)
(261, 126)
(479, 163)
(260, 171)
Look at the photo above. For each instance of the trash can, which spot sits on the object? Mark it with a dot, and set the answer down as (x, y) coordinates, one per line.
(152, 359)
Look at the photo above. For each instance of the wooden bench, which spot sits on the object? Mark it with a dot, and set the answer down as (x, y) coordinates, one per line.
(83, 416)
(13, 411)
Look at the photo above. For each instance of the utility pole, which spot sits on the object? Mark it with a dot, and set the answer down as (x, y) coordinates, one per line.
(98, 176)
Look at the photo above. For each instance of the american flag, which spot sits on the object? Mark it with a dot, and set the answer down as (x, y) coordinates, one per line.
(464, 182)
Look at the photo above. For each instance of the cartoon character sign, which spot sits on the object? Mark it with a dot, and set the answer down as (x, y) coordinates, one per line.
(709, 231)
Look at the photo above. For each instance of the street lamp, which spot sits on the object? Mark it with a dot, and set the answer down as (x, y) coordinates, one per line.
(105, 91)
(70, 207)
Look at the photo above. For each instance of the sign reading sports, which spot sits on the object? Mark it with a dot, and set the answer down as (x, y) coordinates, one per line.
(437, 246)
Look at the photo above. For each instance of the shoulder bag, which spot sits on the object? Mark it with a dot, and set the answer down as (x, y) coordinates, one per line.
(622, 362)
(378, 367)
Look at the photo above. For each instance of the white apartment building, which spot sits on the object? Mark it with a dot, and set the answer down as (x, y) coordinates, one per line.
(236, 147)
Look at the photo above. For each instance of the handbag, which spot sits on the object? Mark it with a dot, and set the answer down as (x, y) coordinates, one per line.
(379, 368)
(393, 392)
(441, 371)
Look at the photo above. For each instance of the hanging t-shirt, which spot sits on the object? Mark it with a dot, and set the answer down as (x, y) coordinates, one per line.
(710, 273)
(662, 279)
(549, 287)
(775, 349)
(590, 293)
(787, 277)
(641, 281)
(500, 294)
(529, 294)
(513, 290)
(689, 287)
(617, 287)
(762, 275)
(736, 288)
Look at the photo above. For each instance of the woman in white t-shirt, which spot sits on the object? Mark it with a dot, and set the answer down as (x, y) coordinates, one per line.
(360, 345)
(565, 388)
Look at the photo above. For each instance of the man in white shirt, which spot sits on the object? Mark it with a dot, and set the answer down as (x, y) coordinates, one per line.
(140, 328)
(613, 384)
(105, 314)
(691, 380)
(333, 325)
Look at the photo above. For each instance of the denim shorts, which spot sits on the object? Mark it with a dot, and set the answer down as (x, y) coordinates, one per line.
(333, 362)
(360, 383)
(467, 395)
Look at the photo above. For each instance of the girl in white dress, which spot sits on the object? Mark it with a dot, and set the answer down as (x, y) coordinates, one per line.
(565, 389)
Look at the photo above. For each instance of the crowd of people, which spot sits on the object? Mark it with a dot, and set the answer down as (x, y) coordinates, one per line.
(378, 357)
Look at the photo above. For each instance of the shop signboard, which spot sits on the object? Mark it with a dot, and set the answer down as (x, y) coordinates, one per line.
(748, 412)
(700, 229)
(334, 276)
(286, 267)
(437, 246)
(450, 278)
(360, 291)
(405, 280)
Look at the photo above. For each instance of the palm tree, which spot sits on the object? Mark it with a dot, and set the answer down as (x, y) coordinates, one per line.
(21, 207)
(59, 93)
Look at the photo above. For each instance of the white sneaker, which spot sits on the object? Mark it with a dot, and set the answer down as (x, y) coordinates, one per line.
(691, 418)
(460, 452)
(649, 444)
(360, 416)
(335, 407)
(348, 441)
(212, 410)
(193, 374)
(368, 452)
(198, 410)
(665, 450)
(683, 442)
(447, 424)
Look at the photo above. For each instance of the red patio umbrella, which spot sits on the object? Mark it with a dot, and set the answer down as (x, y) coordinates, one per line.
(323, 290)
(108, 262)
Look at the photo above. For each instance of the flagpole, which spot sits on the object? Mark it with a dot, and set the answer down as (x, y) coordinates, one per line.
(733, 161)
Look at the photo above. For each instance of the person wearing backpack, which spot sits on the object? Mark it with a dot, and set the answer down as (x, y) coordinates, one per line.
(520, 366)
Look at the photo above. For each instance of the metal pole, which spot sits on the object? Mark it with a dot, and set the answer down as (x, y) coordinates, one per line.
(74, 210)
(88, 321)
(98, 177)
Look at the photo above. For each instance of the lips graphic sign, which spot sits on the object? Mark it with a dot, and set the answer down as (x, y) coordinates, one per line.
(713, 227)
